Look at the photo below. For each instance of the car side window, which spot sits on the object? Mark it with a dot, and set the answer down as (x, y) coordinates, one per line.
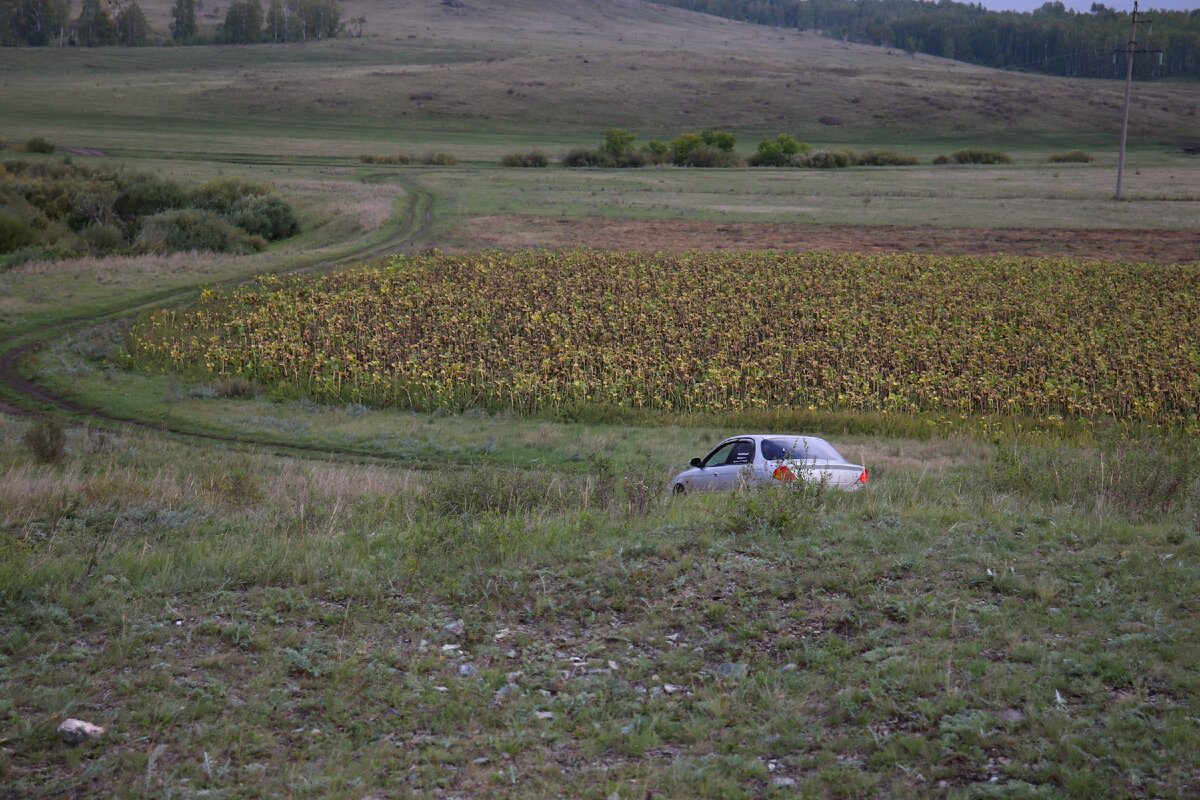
(718, 457)
(743, 453)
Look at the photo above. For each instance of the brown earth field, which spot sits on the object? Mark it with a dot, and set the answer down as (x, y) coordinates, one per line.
(519, 232)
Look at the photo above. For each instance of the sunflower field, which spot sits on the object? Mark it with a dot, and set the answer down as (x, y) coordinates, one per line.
(544, 331)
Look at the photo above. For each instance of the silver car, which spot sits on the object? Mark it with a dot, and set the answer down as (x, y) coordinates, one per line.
(768, 459)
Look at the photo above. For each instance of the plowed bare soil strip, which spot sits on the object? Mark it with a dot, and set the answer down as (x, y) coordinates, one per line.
(516, 231)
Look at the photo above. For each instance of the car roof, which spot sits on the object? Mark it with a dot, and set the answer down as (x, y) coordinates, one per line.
(758, 437)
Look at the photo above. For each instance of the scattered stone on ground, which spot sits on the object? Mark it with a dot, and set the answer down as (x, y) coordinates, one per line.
(77, 731)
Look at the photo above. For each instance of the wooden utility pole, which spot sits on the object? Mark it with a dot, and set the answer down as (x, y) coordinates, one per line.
(1130, 50)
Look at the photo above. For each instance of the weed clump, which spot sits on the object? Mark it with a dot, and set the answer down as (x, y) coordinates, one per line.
(236, 387)
(787, 509)
(1071, 157)
(45, 440)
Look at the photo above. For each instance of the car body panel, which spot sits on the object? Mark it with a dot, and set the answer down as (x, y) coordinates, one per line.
(741, 461)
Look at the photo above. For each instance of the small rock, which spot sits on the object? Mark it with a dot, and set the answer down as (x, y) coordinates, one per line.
(790, 667)
(450, 648)
(510, 653)
(627, 729)
(76, 731)
(480, 760)
(1011, 715)
(613, 796)
(656, 691)
(468, 670)
(456, 628)
(731, 670)
(782, 782)
(671, 688)
(504, 691)
(544, 714)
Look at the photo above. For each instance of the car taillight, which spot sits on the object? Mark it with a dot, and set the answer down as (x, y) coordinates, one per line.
(863, 478)
(782, 473)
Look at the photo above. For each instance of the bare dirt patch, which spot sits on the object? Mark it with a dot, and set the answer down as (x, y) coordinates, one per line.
(517, 231)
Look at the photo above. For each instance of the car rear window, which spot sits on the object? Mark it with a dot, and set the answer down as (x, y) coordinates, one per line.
(799, 449)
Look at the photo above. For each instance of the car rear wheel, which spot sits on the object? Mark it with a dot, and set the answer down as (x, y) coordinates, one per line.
(678, 490)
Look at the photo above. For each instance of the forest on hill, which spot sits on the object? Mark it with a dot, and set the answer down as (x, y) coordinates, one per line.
(1053, 39)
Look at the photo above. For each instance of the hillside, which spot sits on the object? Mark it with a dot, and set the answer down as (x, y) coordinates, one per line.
(574, 68)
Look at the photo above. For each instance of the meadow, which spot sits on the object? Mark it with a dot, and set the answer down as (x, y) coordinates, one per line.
(257, 588)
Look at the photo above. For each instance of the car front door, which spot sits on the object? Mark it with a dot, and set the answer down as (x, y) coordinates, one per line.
(728, 466)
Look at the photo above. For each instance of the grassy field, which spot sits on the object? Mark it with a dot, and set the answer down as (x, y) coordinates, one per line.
(1008, 611)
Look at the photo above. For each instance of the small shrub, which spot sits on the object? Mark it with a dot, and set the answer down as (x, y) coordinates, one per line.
(942, 159)
(440, 159)
(1071, 157)
(830, 119)
(15, 233)
(534, 158)
(37, 144)
(886, 158)
(191, 229)
(100, 237)
(45, 440)
(583, 157)
(778, 152)
(600, 157)
(147, 195)
(267, 216)
(400, 159)
(656, 152)
(824, 159)
(975, 155)
(221, 195)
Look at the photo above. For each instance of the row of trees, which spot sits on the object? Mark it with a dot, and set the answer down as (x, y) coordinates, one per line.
(1052, 39)
(112, 22)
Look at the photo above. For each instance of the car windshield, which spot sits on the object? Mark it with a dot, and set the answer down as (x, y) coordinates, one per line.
(799, 449)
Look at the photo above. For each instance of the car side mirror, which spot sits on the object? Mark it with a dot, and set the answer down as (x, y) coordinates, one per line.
(696, 462)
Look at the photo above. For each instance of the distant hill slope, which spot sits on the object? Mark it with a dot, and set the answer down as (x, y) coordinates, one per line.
(579, 66)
